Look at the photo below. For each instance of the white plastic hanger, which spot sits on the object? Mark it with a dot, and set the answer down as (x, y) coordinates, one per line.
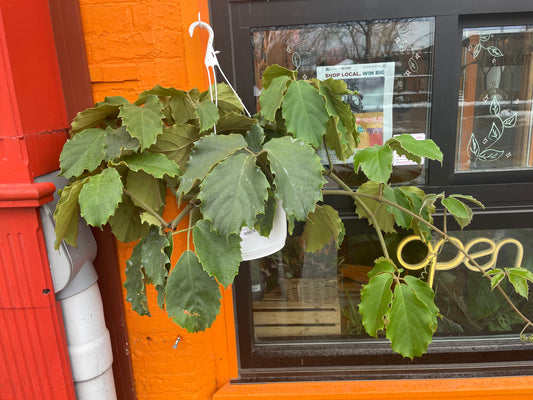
(211, 62)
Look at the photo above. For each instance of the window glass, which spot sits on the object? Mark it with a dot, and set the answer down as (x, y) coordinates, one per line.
(302, 296)
(387, 63)
(495, 116)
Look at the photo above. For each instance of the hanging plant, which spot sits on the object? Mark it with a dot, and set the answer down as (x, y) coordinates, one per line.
(122, 157)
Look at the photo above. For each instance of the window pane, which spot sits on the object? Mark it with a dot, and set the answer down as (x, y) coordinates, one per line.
(495, 117)
(387, 63)
(307, 297)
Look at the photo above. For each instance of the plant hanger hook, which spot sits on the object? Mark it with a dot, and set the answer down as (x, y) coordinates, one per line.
(211, 61)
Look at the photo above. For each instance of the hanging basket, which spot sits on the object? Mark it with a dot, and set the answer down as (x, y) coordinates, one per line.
(254, 246)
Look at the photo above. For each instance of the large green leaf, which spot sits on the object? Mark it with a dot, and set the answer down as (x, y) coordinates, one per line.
(207, 152)
(273, 71)
(227, 100)
(126, 223)
(233, 122)
(106, 185)
(67, 212)
(413, 149)
(519, 278)
(147, 188)
(118, 142)
(382, 265)
(298, 187)
(183, 106)
(383, 217)
(397, 196)
(154, 258)
(411, 323)
(375, 162)
(233, 193)
(305, 112)
(84, 152)
(93, 117)
(145, 123)
(155, 164)
(460, 211)
(135, 284)
(323, 225)
(255, 138)
(220, 256)
(176, 142)
(425, 294)
(193, 297)
(375, 302)
(207, 113)
(271, 97)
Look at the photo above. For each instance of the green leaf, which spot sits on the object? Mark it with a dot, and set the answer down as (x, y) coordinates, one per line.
(265, 220)
(305, 112)
(382, 265)
(176, 142)
(66, 214)
(207, 152)
(207, 113)
(233, 122)
(299, 188)
(84, 152)
(519, 278)
(271, 97)
(233, 193)
(227, 99)
(220, 256)
(497, 277)
(337, 140)
(375, 302)
(145, 123)
(155, 164)
(413, 149)
(118, 142)
(411, 325)
(113, 101)
(147, 188)
(460, 211)
(375, 162)
(397, 196)
(93, 117)
(255, 138)
(159, 91)
(193, 297)
(384, 219)
(469, 198)
(135, 284)
(126, 224)
(106, 185)
(417, 197)
(424, 293)
(323, 225)
(154, 258)
(274, 71)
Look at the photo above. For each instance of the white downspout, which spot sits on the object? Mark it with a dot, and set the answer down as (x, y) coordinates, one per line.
(76, 288)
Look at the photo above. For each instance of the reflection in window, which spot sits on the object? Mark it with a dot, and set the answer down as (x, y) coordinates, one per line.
(387, 63)
(495, 116)
(303, 296)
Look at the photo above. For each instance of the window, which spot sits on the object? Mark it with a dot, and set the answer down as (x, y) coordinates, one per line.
(443, 71)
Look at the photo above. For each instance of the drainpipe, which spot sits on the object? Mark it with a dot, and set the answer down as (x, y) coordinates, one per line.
(76, 288)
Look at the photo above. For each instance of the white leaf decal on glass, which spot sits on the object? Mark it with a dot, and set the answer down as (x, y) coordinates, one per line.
(473, 146)
(477, 49)
(494, 51)
(495, 133)
(490, 154)
(495, 106)
(511, 121)
(484, 38)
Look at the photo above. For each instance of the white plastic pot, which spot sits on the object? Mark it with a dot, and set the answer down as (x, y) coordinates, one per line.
(254, 246)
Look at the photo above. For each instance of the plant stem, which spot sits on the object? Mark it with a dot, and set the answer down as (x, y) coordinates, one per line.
(175, 222)
(146, 208)
(360, 203)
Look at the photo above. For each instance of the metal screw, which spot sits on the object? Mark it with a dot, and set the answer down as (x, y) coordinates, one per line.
(177, 342)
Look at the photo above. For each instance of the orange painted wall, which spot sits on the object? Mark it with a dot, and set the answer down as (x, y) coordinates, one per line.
(133, 45)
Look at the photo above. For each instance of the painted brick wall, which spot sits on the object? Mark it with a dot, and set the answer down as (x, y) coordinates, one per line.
(132, 45)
